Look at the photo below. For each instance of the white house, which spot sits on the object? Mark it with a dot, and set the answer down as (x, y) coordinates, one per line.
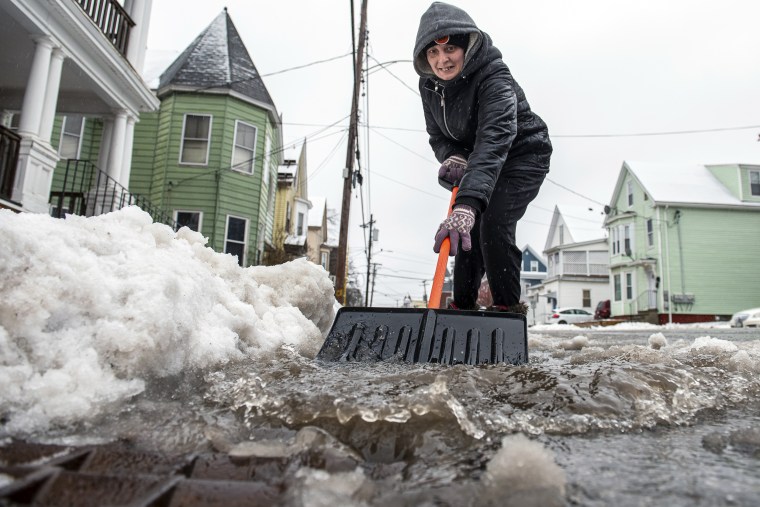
(577, 254)
(74, 57)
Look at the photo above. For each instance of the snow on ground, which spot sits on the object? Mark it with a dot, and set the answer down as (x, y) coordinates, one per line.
(91, 307)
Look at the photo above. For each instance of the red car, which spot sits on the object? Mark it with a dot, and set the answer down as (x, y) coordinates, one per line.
(602, 310)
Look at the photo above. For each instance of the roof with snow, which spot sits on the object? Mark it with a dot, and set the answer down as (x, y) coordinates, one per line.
(679, 184)
(217, 58)
(317, 212)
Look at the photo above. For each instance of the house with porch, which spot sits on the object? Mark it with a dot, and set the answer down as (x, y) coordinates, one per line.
(209, 155)
(684, 241)
(62, 61)
(578, 263)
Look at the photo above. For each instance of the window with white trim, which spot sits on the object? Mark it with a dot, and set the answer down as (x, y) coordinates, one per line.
(235, 237)
(196, 139)
(586, 298)
(630, 193)
(300, 219)
(618, 289)
(325, 260)
(614, 239)
(71, 137)
(629, 286)
(627, 245)
(650, 233)
(193, 220)
(754, 183)
(244, 147)
(533, 266)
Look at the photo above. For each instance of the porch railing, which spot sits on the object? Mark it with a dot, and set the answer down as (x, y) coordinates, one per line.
(83, 189)
(112, 20)
(9, 146)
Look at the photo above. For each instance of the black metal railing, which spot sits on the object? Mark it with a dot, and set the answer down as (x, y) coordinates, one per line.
(112, 20)
(85, 190)
(9, 146)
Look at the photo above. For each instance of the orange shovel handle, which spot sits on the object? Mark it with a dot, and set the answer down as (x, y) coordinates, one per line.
(443, 260)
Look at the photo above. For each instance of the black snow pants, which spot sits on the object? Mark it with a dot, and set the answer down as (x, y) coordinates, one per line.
(494, 251)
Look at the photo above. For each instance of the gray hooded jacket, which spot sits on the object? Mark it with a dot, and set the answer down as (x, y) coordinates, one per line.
(481, 114)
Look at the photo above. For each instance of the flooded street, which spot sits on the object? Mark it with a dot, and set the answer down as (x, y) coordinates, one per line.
(656, 416)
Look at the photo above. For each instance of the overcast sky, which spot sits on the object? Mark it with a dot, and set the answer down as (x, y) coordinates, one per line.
(606, 76)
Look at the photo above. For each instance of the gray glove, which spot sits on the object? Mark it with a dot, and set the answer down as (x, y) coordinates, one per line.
(452, 170)
(457, 225)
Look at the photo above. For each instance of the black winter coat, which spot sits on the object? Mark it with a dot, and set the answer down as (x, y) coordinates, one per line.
(482, 113)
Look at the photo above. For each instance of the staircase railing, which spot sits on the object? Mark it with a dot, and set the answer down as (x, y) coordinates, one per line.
(9, 146)
(83, 189)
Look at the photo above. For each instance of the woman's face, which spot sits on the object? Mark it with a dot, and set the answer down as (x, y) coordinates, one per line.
(446, 60)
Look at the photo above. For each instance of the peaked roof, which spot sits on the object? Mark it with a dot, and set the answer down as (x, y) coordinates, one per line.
(685, 184)
(579, 225)
(217, 58)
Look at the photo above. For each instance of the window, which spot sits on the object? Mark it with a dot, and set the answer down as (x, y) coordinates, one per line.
(534, 266)
(189, 219)
(650, 233)
(299, 224)
(325, 260)
(630, 193)
(196, 138)
(618, 290)
(754, 182)
(287, 217)
(586, 298)
(244, 147)
(629, 286)
(71, 137)
(561, 234)
(234, 239)
(627, 241)
(615, 245)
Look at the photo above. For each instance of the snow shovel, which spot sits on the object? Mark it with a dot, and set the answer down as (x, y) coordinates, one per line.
(427, 335)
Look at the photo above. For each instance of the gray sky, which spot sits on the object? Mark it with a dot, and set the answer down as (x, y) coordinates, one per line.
(602, 74)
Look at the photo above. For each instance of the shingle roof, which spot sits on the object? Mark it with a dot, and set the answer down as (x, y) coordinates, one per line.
(217, 58)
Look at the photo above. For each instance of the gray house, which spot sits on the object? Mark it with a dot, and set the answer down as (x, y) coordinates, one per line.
(684, 241)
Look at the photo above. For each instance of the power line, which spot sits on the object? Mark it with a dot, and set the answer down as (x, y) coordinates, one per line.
(305, 65)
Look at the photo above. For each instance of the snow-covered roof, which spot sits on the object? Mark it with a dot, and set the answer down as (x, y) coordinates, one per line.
(317, 212)
(217, 58)
(679, 184)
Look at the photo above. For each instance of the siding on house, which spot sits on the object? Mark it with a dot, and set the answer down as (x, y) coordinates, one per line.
(699, 264)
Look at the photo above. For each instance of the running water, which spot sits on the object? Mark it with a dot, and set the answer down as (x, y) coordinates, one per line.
(114, 327)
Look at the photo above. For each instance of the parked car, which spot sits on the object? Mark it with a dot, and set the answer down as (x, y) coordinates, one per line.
(602, 310)
(738, 319)
(753, 320)
(569, 316)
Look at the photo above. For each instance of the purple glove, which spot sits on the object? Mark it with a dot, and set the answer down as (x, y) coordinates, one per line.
(458, 224)
(452, 170)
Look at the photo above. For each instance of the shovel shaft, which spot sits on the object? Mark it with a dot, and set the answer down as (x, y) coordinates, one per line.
(440, 268)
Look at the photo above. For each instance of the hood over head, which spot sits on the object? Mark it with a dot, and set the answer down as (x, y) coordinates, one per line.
(439, 20)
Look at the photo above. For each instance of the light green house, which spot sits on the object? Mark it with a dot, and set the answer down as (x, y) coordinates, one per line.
(210, 154)
(684, 241)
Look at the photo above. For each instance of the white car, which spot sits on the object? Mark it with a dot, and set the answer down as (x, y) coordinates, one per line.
(569, 316)
(753, 320)
(738, 319)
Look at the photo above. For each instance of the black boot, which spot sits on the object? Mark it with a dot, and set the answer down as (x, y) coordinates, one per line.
(520, 308)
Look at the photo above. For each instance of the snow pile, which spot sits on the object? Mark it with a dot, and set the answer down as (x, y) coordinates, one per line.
(90, 307)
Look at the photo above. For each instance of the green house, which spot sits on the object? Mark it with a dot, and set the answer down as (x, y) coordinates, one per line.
(684, 241)
(210, 154)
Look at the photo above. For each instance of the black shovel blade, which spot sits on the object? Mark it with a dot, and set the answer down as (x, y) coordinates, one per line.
(423, 335)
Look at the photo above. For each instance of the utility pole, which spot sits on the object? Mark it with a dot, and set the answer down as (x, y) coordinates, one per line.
(369, 257)
(348, 176)
(374, 277)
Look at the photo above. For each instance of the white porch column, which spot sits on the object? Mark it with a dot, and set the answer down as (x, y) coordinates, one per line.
(118, 137)
(105, 144)
(34, 96)
(139, 11)
(126, 166)
(51, 95)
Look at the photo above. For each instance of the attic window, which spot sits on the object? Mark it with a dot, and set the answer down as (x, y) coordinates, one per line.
(630, 193)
